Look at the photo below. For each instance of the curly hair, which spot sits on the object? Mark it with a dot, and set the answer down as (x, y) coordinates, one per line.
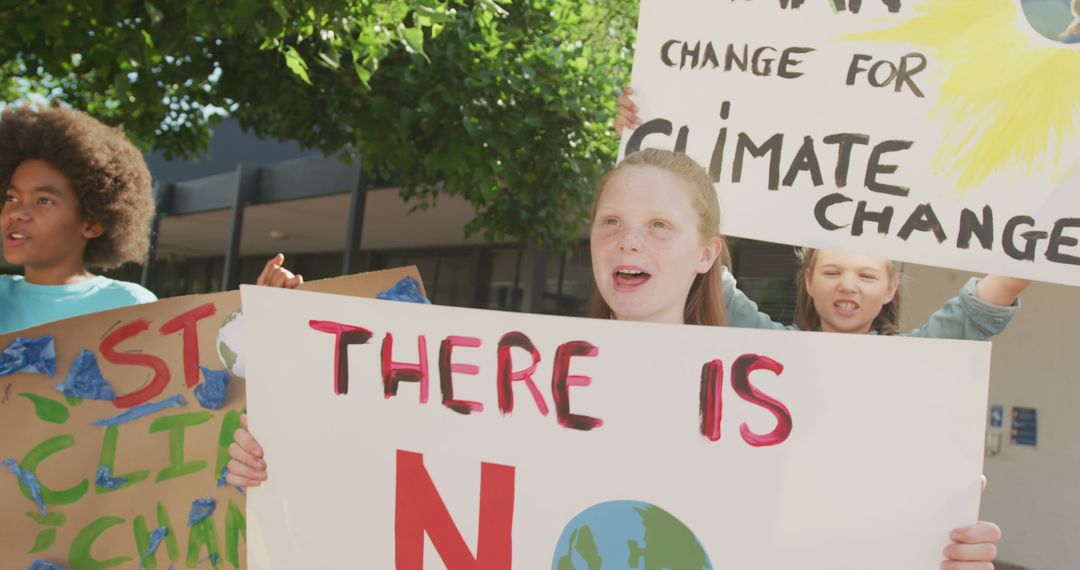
(107, 172)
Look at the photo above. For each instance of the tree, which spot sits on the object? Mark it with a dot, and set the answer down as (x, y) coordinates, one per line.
(509, 106)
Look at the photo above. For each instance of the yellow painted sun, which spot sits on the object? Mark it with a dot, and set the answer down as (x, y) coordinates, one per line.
(1010, 98)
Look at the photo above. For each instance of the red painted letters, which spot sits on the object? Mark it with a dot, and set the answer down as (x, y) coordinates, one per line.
(507, 375)
(108, 351)
(344, 335)
(188, 323)
(561, 381)
(447, 369)
(395, 372)
(419, 509)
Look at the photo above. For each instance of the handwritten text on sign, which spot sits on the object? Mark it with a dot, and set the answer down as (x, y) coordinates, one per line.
(890, 127)
(116, 434)
(495, 435)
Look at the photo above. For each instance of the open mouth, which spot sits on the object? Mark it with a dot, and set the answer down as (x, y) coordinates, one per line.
(630, 278)
(15, 237)
(846, 308)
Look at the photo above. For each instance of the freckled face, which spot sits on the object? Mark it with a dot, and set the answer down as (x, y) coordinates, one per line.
(849, 290)
(646, 245)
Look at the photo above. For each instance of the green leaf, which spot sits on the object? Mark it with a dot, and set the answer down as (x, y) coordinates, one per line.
(44, 540)
(296, 64)
(414, 39)
(438, 16)
(73, 401)
(363, 73)
(330, 62)
(48, 410)
(156, 16)
(279, 7)
(491, 5)
(50, 519)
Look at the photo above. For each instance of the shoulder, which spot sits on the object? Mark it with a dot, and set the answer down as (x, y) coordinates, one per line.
(8, 290)
(132, 292)
(9, 284)
(727, 281)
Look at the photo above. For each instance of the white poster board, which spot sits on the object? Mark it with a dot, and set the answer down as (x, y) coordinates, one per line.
(882, 458)
(942, 132)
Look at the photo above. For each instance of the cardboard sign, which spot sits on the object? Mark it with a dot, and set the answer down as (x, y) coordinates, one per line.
(943, 132)
(407, 436)
(117, 425)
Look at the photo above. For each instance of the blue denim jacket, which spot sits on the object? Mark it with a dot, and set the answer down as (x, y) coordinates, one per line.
(965, 316)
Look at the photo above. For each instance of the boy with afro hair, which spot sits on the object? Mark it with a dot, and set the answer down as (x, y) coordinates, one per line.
(76, 196)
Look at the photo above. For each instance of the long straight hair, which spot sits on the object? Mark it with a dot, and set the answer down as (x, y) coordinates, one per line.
(887, 322)
(705, 301)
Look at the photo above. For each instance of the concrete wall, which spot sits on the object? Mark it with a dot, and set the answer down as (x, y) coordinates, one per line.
(1033, 492)
(229, 145)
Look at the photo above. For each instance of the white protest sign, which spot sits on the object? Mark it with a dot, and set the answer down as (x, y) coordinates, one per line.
(943, 132)
(630, 445)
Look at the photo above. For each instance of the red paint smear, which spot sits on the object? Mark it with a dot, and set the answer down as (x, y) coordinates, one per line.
(419, 509)
(712, 406)
(188, 322)
(447, 369)
(157, 385)
(561, 381)
(344, 336)
(740, 380)
(506, 375)
(394, 372)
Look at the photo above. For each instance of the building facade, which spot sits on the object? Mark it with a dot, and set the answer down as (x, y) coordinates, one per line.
(221, 217)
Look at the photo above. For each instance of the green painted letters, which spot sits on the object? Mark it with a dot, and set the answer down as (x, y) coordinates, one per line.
(79, 557)
(108, 459)
(176, 425)
(39, 454)
(228, 427)
(204, 533)
(235, 528)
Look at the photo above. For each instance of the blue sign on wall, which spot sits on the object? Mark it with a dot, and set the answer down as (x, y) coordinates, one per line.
(997, 415)
(1024, 426)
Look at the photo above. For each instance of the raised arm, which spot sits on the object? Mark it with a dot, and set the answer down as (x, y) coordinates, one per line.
(742, 312)
(1000, 290)
(974, 314)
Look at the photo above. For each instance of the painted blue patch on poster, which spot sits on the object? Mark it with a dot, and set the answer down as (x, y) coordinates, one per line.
(29, 355)
(407, 289)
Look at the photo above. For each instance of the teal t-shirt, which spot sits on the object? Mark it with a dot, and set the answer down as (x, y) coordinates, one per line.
(24, 305)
